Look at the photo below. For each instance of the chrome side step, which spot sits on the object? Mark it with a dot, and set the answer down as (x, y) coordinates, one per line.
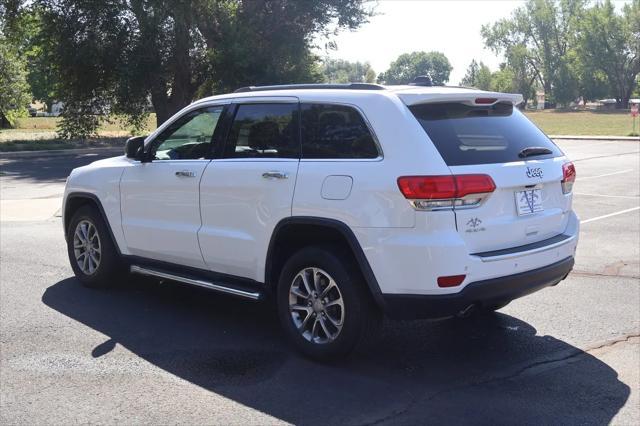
(200, 283)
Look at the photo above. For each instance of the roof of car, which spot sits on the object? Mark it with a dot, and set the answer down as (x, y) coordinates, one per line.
(409, 94)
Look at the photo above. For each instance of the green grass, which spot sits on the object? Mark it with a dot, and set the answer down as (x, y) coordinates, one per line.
(39, 133)
(49, 123)
(584, 123)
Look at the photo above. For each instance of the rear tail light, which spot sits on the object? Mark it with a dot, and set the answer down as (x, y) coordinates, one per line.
(568, 177)
(445, 192)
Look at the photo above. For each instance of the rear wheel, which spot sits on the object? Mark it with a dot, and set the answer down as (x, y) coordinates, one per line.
(324, 306)
(92, 253)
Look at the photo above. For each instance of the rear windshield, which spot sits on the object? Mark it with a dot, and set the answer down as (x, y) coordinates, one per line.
(465, 134)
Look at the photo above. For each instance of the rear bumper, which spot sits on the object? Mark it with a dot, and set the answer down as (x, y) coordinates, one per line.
(486, 292)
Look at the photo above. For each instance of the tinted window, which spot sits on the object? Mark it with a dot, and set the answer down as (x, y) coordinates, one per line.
(335, 131)
(189, 137)
(264, 131)
(466, 134)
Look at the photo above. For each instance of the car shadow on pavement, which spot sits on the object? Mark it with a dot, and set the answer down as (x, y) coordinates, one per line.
(485, 369)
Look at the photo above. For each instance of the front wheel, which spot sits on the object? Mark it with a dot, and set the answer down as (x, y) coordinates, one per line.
(323, 304)
(92, 253)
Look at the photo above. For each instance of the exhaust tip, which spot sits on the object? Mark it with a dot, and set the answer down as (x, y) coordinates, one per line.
(466, 312)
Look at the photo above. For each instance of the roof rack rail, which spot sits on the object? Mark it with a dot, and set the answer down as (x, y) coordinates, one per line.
(346, 86)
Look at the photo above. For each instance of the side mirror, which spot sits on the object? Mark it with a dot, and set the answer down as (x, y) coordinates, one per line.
(134, 148)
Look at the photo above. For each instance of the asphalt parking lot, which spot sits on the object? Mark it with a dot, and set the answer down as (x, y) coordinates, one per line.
(158, 354)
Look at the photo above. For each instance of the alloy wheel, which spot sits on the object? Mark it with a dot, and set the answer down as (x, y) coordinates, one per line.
(316, 305)
(87, 247)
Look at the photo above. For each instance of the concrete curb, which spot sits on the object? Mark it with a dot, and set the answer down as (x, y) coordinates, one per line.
(597, 138)
(62, 152)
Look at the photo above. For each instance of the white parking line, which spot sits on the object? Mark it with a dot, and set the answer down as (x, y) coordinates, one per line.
(609, 215)
(606, 174)
(632, 197)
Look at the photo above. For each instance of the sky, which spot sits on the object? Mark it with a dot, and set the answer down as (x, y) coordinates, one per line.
(451, 27)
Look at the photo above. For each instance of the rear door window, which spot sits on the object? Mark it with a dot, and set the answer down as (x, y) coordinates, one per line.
(335, 131)
(264, 131)
(465, 134)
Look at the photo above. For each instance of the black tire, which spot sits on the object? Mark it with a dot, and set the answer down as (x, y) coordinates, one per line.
(110, 268)
(361, 319)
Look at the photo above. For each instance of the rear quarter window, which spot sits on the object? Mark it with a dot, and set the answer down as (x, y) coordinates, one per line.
(465, 134)
(335, 131)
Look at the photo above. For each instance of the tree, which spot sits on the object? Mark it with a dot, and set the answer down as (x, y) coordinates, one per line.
(523, 74)
(410, 65)
(478, 75)
(14, 92)
(502, 80)
(610, 43)
(342, 71)
(542, 32)
(118, 56)
(24, 32)
(370, 76)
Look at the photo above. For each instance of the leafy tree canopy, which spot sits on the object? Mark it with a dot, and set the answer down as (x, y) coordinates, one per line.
(14, 92)
(342, 71)
(23, 28)
(120, 56)
(609, 46)
(540, 34)
(478, 75)
(410, 65)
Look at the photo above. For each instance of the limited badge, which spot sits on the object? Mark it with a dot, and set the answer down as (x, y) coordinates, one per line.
(475, 225)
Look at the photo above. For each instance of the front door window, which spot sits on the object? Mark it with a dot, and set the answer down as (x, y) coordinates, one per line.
(189, 137)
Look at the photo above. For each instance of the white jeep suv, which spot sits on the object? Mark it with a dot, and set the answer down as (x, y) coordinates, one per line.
(343, 202)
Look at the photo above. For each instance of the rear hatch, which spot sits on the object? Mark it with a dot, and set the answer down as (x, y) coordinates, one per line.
(490, 136)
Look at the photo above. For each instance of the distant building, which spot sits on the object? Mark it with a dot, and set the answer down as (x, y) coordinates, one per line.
(56, 108)
(606, 104)
(39, 109)
(540, 100)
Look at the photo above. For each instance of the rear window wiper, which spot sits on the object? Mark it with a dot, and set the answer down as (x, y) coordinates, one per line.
(534, 150)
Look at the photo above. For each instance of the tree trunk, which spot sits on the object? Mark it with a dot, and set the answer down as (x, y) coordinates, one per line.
(166, 106)
(547, 92)
(625, 95)
(4, 123)
(181, 86)
(162, 113)
(159, 100)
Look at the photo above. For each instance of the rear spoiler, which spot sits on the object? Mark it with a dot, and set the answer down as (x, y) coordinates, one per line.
(473, 98)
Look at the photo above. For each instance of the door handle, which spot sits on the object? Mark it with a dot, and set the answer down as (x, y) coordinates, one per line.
(185, 173)
(275, 175)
